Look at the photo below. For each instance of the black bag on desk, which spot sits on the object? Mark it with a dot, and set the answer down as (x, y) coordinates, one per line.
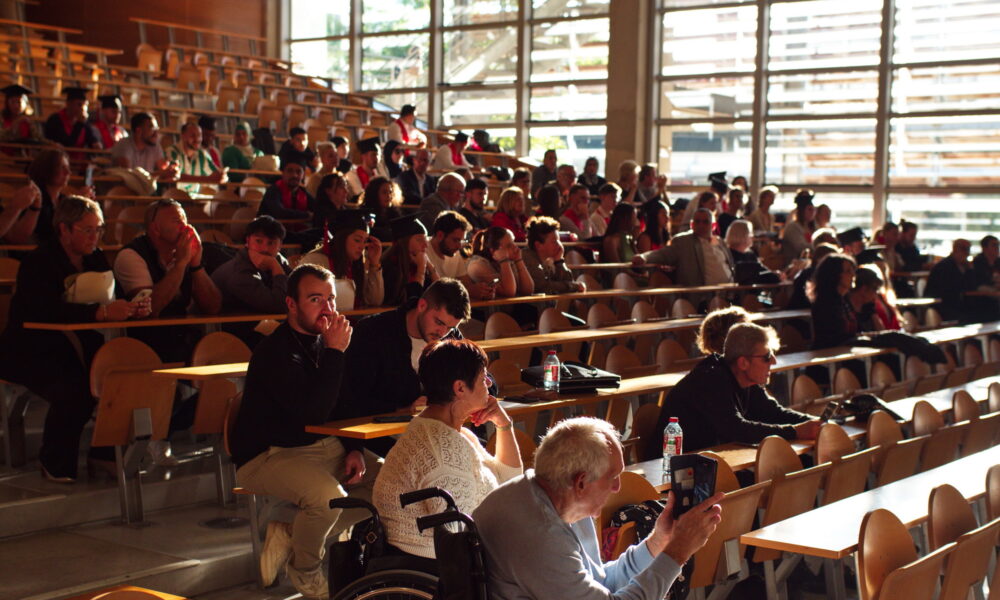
(861, 407)
(908, 344)
(573, 377)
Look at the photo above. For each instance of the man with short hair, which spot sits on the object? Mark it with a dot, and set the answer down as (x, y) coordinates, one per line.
(344, 165)
(538, 528)
(723, 398)
(369, 167)
(256, 279)
(142, 149)
(207, 125)
(761, 218)
(404, 131)
(69, 127)
(734, 209)
(449, 156)
(287, 198)
(986, 264)
(544, 172)
(293, 381)
(474, 207)
(700, 258)
(444, 252)
(950, 278)
(651, 185)
(590, 178)
(296, 149)
(565, 179)
(326, 152)
(576, 217)
(906, 247)
(544, 258)
(450, 189)
(108, 119)
(415, 183)
(195, 163)
(608, 195)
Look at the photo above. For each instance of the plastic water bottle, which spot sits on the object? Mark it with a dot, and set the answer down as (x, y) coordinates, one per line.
(550, 371)
(673, 444)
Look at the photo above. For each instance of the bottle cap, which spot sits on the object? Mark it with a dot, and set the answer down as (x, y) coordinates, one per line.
(674, 420)
(551, 352)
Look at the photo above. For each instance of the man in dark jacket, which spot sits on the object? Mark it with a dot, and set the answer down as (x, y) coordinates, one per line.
(723, 398)
(949, 279)
(416, 184)
(293, 381)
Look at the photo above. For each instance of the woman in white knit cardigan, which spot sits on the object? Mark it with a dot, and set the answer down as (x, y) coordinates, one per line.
(437, 450)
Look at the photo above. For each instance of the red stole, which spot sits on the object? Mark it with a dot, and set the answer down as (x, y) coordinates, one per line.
(68, 124)
(363, 176)
(298, 202)
(108, 136)
(456, 155)
(402, 131)
(572, 216)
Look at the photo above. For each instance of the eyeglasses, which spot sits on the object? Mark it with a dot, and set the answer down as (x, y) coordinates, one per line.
(766, 357)
(89, 231)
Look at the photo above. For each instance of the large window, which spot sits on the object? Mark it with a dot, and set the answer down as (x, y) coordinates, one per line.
(807, 111)
(531, 72)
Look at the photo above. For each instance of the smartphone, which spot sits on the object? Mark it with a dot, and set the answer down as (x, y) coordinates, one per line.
(88, 179)
(692, 480)
(143, 294)
(828, 411)
(393, 419)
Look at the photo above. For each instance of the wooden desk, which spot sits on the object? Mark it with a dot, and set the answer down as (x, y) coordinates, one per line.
(194, 320)
(205, 373)
(832, 531)
(903, 303)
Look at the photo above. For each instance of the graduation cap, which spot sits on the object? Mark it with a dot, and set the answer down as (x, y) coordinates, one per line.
(680, 204)
(804, 197)
(368, 145)
(349, 220)
(869, 255)
(75, 93)
(407, 225)
(718, 182)
(206, 122)
(850, 236)
(12, 91)
(110, 101)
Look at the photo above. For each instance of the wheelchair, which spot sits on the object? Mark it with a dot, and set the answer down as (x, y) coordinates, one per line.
(364, 568)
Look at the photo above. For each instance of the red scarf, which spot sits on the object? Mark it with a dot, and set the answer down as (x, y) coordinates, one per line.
(109, 136)
(572, 216)
(456, 155)
(402, 131)
(67, 124)
(299, 202)
(363, 176)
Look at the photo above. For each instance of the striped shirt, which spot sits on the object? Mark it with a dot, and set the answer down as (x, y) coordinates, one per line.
(198, 164)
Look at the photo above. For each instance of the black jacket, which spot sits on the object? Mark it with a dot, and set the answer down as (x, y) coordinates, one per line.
(412, 192)
(948, 282)
(713, 409)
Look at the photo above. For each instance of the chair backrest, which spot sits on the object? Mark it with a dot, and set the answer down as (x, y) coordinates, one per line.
(128, 224)
(215, 348)
(120, 353)
(241, 218)
(883, 429)
(590, 281)
(916, 368)
(232, 410)
(525, 447)
(634, 490)
(993, 399)
(600, 315)
(553, 320)
(943, 445)
(971, 355)
(884, 545)
(926, 418)
(917, 580)
(949, 515)
(624, 281)
(848, 475)
(900, 459)
(969, 561)
(668, 352)
(501, 325)
(791, 339)
(982, 434)
(8, 270)
(993, 492)
(832, 442)
(717, 302)
(644, 421)
(932, 318)
(219, 347)
(739, 507)
(845, 381)
(928, 384)
(620, 359)
(881, 375)
(682, 308)
(507, 376)
(643, 311)
(805, 390)
(775, 456)
(896, 391)
(958, 376)
(725, 478)
(790, 495)
(964, 407)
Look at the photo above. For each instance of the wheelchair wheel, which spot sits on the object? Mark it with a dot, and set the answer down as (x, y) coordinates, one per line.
(391, 585)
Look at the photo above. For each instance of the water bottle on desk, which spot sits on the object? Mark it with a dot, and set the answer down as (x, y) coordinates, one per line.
(673, 444)
(550, 371)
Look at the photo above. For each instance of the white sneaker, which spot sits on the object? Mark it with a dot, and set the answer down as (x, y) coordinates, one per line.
(311, 584)
(277, 548)
(162, 455)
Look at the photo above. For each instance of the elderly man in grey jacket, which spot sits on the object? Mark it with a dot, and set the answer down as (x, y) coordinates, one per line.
(448, 196)
(699, 256)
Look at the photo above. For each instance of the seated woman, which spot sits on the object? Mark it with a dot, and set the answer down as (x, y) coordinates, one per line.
(510, 213)
(16, 124)
(749, 269)
(331, 196)
(241, 153)
(436, 450)
(619, 240)
(382, 198)
(405, 268)
(50, 172)
(657, 233)
(65, 280)
(834, 319)
(392, 156)
(496, 259)
(354, 257)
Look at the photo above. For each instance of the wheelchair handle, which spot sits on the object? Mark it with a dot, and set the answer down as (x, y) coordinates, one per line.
(347, 502)
(451, 516)
(426, 494)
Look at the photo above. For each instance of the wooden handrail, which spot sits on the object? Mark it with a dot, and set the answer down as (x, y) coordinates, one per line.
(219, 32)
(40, 26)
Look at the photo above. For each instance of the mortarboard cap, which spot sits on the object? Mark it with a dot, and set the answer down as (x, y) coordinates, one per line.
(15, 90)
(407, 225)
(368, 145)
(870, 255)
(804, 197)
(349, 220)
(849, 236)
(718, 182)
(75, 93)
(110, 101)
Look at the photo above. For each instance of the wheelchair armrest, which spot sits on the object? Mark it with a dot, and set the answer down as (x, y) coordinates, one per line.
(345, 503)
(426, 494)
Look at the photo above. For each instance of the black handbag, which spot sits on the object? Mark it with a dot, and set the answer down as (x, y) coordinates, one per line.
(573, 377)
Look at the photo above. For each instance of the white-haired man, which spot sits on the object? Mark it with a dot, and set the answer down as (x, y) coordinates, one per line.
(539, 533)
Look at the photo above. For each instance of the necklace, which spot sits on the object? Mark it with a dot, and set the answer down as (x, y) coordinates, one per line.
(315, 361)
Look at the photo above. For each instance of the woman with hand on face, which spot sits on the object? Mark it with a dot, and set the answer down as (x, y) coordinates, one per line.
(65, 280)
(405, 268)
(382, 198)
(354, 257)
(496, 258)
(331, 196)
(437, 450)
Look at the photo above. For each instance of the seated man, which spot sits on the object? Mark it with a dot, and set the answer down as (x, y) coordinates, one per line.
(544, 258)
(404, 131)
(343, 164)
(293, 381)
(449, 156)
(448, 196)
(108, 119)
(327, 154)
(952, 276)
(538, 529)
(369, 167)
(208, 138)
(296, 149)
(723, 399)
(196, 164)
(288, 199)
(416, 183)
(142, 149)
(607, 197)
(576, 217)
(699, 256)
(474, 207)
(69, 127)
(444, 250)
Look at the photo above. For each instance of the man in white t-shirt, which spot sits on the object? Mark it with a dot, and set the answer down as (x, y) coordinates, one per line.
(444, 251)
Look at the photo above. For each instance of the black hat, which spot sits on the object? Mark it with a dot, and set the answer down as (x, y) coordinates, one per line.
(338, 141)
(110, 101)
(804, 197)
(680, 204)
(349, 220)
(407, 225)
(718, 182)
(75, 93)
(368, 145)
(14, 90)
(870, 255)
(854, 234)
(408, 109)
(206, 122)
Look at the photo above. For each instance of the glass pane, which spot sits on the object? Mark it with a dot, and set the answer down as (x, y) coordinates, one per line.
(396, 101)
(688, 3)
(688, 153)
(547, 9)
(480, 55)
(943, 151)
(697, 42)
(573, 144)
(319, 18)
(811, 152)
(327, 59)
(568, 102)
(934, 30)
(847, 210)
(707, 97)
(506, 138)
(944, 217)
(479, 106)
(823, 93)
(397, 61)
(470, 12)
(394, 15)
(946, 88)
(570, 50)
(825, 33)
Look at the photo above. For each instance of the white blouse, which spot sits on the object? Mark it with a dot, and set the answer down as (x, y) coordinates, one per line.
(431, 454)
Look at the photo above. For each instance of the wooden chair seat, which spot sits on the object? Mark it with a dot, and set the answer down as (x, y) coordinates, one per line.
(847, 475)
(899, 460)
(790, 495)
(739, 507)
(968, 562)
(943, 445)
(888, 567)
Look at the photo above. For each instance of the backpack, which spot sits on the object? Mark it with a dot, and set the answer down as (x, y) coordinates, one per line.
(644, 516)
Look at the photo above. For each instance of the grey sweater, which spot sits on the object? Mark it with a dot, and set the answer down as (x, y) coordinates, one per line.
(532, 554)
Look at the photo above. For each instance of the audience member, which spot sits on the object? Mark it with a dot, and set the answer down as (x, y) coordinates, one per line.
(404, 132)
(607, 195)
(448, 196)
(19, 214)
(287, 198)
(950, 279)
(406, 270)
(565, 180)
(392, 159)
(549, 203)
(834, 321)
(481, 142)
(802, 284)
(907, 249)
(544, 172)
(823, 216)
(510, 213)
(449, 156)
(343, 147)
(445, 245)
(355, 259)
(369, 167)
(416, 183)
(327, 155)
(851, 241)
(544, 259)
(652, 186)
(521, 178)
(195, 163)
(619, 244)
(474, 206)
(296, 149)
(497, 259)
(46, 362)
(590, 178)
(241, 153)
(538, 529)
(207, 125)
(381, 198)
(628, 181)
(985, 264)
(747, 267)
(50, 172)
(438, 451)
(761, 216)
(699, 257)
(108, 121)
(734, 210)
(142, 150)
(16, 125)
(69, 127)
(709, 200)
(862, 298)
(657, 232)
(331, 196)
(576, 218)
(293, 380)
(256, 279)
(797, 234)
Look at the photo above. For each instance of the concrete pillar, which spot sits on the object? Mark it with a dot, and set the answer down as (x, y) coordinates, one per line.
(629, 74)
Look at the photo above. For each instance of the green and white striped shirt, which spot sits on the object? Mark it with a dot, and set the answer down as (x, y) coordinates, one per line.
(198, 164)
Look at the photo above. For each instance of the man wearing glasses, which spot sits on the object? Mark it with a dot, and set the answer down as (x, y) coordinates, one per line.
(699, 256)
(723, 399)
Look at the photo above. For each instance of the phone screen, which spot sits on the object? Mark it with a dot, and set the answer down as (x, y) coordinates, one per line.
(692, 479)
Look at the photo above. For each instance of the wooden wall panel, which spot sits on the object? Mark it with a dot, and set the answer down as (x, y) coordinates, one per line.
(106, 22)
